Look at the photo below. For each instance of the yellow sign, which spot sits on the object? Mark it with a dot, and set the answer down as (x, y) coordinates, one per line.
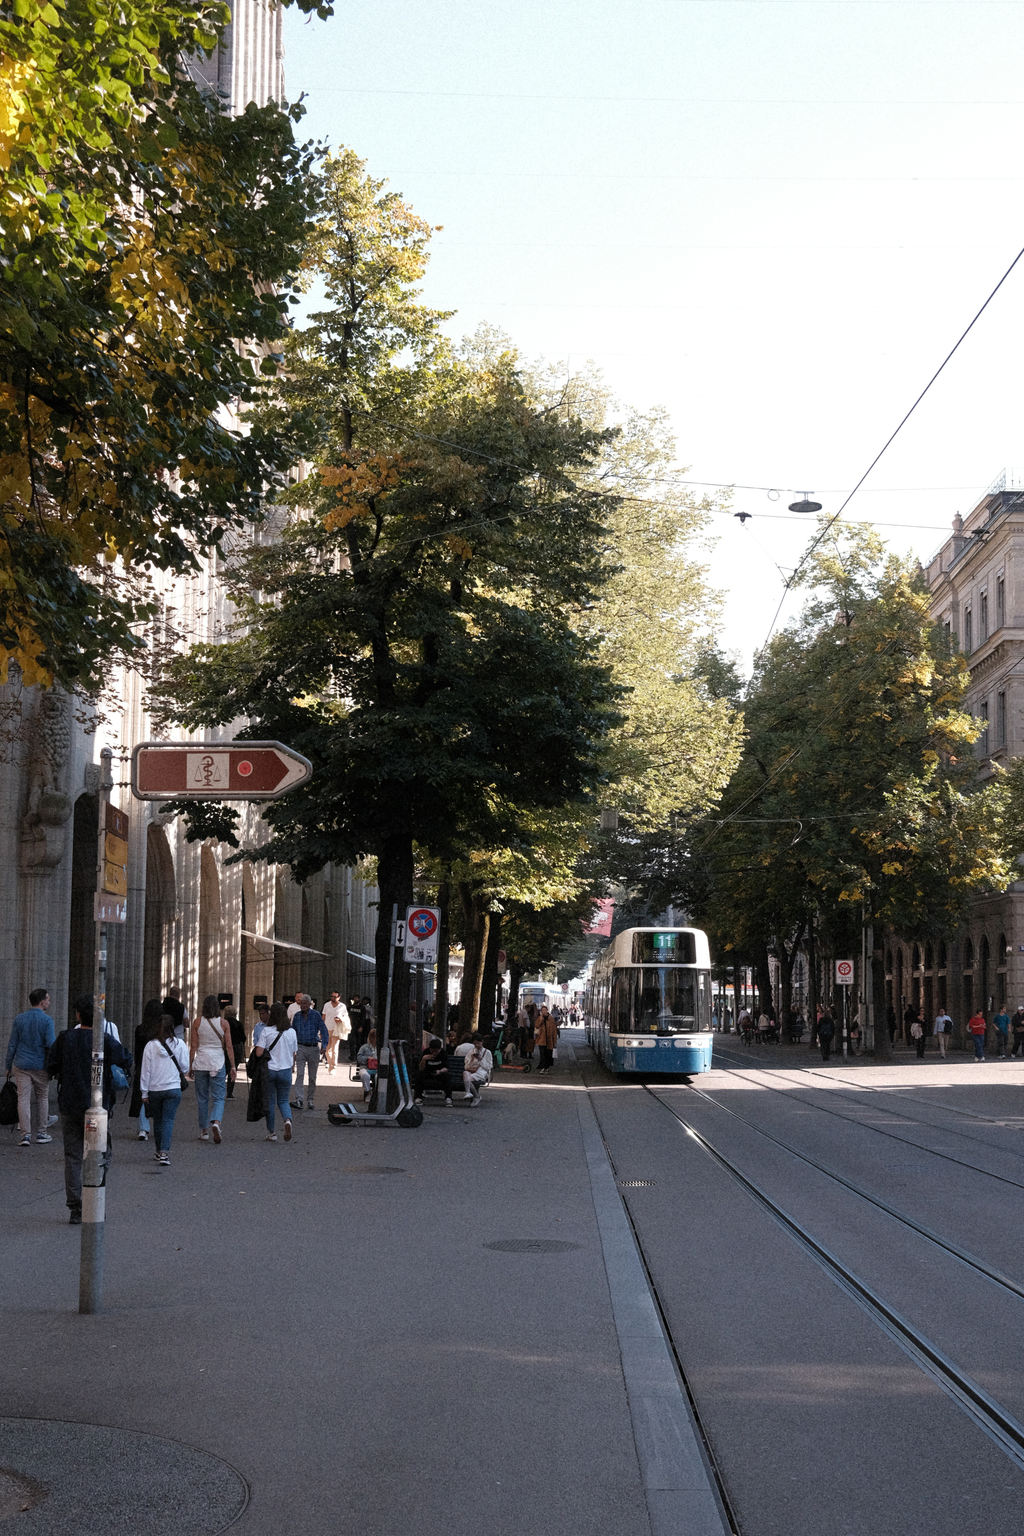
(115, 879)
(116, 849)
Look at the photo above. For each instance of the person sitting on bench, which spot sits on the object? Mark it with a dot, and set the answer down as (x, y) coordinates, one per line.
(367, 1053)
(433, 1071)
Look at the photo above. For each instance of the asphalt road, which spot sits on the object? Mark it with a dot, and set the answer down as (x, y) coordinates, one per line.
(314, 1337)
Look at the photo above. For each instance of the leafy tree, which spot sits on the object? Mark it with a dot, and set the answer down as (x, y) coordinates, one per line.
(148, 243)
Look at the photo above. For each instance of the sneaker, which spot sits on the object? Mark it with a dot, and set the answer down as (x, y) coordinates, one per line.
(204, 1135)
(164, 1160)
(476, 1102)
(311, 1106)
(75, 1217)
(53, 1120)
(156, 1157)
(26, 1141)
(296, 1103)
(215, 1128)
(287, 1130)
(272, 1136)
(420, 1101)
(43, 1137)
(448, 1102)
(143, 1135)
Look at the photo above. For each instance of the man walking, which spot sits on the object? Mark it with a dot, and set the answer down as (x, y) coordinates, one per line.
(32, 1034)
(1017, 1029)
(339, 1027)
(69, 1060)
(943, 1027)
(311, 1033)
(1002, 1024)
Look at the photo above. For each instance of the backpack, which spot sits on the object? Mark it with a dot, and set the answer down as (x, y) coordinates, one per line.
(8, 1104)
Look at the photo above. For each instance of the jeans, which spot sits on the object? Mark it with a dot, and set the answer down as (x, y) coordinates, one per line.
(280, 1085)
(163, 1106)
(1002, 1039)
(33, 1084)
(307, 1060)
(144, 1122)
(210, 1085)
(979, 1047)
(73, 1127)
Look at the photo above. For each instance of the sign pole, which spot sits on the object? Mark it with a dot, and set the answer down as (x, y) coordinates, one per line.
(383, 1050)
(90, 1282)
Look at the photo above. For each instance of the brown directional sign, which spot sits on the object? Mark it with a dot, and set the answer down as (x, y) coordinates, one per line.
(230, 770)
(115, 852)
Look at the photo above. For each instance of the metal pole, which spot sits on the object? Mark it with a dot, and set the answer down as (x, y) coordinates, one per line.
(383, 1051)
(90, 1281)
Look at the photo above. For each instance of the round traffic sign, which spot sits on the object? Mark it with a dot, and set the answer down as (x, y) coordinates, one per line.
(422, 923)
(844, 969)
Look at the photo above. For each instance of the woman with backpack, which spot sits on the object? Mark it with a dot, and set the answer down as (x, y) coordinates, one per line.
(165, 1069)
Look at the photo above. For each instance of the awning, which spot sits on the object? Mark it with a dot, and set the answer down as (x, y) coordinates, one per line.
(303, 949)
(370, 959)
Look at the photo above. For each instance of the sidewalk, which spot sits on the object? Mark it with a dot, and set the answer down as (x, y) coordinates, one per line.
(326, 1317)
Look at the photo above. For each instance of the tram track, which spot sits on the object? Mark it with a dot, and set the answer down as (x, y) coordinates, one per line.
(988, 1415)
(894, 1136)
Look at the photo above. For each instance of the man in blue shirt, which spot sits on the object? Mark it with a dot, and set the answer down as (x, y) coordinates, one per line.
(32, 1034)
(311, 1033)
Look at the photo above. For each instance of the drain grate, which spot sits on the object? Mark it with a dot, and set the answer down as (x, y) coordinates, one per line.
(530, 1245)
(637, 1183)
(368, 1168)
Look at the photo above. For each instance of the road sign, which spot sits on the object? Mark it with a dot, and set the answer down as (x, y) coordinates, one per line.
(844, 973)
(422, 926)
(115, 856)
(229, 770)
(109, 909)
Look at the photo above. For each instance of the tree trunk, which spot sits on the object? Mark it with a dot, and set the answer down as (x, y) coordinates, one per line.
(476, 921)
(883, 1047)
(444, 896)
(489, 983)
(515, 976)
(764, 981)
(812, 980)
(394, 882)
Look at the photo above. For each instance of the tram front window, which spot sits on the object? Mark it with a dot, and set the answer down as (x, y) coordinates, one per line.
(655, 1000)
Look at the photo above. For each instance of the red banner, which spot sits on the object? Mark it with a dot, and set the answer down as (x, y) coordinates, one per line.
(601, 922)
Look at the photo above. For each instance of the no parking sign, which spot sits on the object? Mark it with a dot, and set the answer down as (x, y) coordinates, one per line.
(422, 925)
(844, 973)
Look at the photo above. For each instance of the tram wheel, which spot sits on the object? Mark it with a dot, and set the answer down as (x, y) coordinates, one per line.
(335, 1115)
(409, 1119)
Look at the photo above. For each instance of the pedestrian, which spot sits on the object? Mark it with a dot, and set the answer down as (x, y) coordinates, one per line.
(816, 1026)
(211, 1063)
(855, 1035)
(339, 1027)
(1017, 1029)
(69, 1060)
(477, 1066)
(313, 1040)
(826, 1032)
(943, 1027)
(524, 1034)
(358, 1032)
(165, 1071)
(976, 1025)
(910, 1014)
(366, 1063)
(262, 1017)
(173, 1005)
(277, 1039)
(890, 1019)
(32, 1034)
(546, 1034)
(1002, 1024)
(236, 1030)
(433, 1071)
(919, 1038)
(152, 1013)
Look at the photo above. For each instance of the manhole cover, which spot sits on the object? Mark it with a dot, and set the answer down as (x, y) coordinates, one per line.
(638, 1183)
(364, 1168)
(530, 1245)
(92, 1478)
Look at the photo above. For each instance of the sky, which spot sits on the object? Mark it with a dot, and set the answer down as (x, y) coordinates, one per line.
(773, 218)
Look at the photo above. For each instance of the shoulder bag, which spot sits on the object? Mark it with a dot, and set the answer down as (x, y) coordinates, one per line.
(182, 1078)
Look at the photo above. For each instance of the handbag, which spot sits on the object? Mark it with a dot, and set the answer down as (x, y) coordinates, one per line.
(258, 1069)
(8, 1104)
(183, 1079)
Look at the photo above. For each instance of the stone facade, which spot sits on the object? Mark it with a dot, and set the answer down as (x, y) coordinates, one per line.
(193, 919)
(976, 581)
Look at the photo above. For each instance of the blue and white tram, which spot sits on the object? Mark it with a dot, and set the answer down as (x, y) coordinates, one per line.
(648, 1002)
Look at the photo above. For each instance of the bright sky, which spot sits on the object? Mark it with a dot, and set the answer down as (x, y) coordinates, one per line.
(773, 217)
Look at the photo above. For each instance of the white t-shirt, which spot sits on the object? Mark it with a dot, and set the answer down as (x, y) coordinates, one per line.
(293, 1009)
(282, 1057)
(336, 1018)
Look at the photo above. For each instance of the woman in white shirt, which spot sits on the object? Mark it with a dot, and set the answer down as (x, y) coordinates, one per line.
(164, 1062)
(212, 1057)
(279, 1039)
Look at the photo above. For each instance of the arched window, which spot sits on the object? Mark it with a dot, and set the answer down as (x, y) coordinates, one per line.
(928, 958)
(968, 990)
(915, 958)
(942, 954)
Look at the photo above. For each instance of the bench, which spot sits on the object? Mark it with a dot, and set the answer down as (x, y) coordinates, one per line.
(456, 1066)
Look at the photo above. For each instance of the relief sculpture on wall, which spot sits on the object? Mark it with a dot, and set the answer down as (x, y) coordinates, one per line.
(44, 829)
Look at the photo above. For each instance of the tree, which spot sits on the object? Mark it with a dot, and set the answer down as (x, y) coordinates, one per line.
(148, 244)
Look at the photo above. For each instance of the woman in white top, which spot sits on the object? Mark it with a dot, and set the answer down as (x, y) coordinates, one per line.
(212, 1057)
(279, 1039)
(164, 1061)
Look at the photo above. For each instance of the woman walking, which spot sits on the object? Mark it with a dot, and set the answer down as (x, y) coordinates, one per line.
(212, 1058)
(165, 1064)
(144, 1033)
(546, 1036)
(278, 1040)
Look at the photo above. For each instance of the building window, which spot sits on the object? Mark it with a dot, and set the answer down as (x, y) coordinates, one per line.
(1000, 719)
(983, 738)
(968, 631)
(983, 618)
(1000, 602)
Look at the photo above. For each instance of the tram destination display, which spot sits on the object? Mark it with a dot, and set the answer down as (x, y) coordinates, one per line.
(670, 947)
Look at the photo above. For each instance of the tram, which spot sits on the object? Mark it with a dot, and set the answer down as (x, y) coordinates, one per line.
(648, 1002)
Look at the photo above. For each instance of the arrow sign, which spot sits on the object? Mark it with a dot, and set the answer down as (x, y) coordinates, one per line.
(229, 770)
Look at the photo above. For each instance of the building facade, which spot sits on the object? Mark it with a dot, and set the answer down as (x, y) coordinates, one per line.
(976, 586)
(193, 919)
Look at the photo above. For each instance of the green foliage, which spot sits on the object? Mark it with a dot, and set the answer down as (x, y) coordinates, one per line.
(147, 245)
